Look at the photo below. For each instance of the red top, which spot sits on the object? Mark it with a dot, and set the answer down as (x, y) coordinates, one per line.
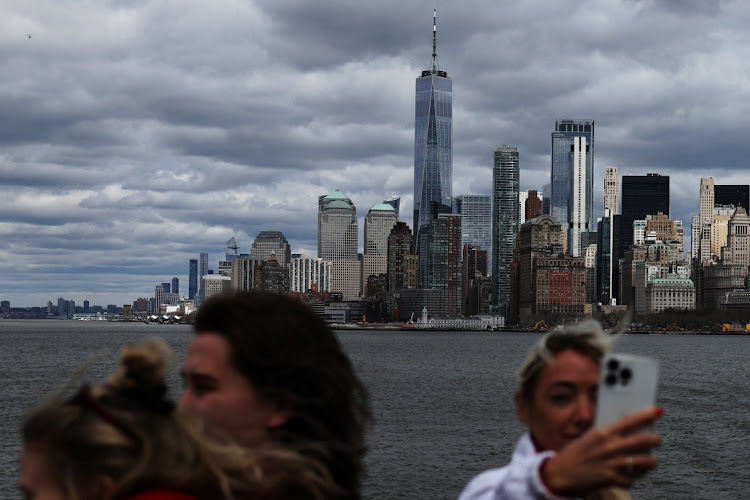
(162, 495)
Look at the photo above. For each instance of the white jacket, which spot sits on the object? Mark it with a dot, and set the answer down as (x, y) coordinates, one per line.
(519, 480)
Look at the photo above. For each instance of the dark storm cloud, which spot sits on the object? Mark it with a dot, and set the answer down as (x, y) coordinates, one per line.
(137, 134)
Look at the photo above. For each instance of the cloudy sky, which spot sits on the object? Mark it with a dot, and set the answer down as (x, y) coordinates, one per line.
(136, 134)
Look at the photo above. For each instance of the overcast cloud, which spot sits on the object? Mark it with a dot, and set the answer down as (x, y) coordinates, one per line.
(136, 134)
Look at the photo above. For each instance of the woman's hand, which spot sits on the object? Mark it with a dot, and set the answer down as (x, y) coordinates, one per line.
(607, 456)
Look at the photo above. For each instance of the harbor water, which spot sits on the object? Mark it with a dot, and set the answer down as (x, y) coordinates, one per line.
(442, 401)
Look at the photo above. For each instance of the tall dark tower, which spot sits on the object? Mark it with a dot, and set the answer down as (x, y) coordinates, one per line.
(433, 143)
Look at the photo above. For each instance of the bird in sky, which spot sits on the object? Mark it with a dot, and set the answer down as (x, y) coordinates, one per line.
(29, 36)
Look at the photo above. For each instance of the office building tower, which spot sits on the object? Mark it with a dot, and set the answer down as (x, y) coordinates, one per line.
(505, 221)
(193, 279)
(176, 286)
(533, 206)
(310, 274)
(378, 225)
(572, 176)
(269, 243)
(695, 237)
(167, 288)
(611, 190)
(337, 243)
(476, 221)
(395, 202)
(400, 247)
(604, 264)
(215, 284)
(202, 271)
(160, 294)
(433, 141)
(444, 261)
(737, 195)
(642, 195)
(706, 214)
(546, 199)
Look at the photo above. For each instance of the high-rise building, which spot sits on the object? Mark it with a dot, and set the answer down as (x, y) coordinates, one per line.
(604, 265)
(476, 221)
(444, 261)
(202, 271)
(642, 195)
(269, 243)
(732, 194)
(706, 214)
(611, 189)
(433, 141)
(310, 274)
(395, 202)
(533, 206)
(505, 220)
(400, 246)
(546, 199)
(378, 225)
(337, 242)
(176, 286)
(572, 175)
(193, 279)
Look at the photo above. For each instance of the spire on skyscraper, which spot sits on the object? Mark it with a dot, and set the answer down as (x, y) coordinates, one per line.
(433, 64)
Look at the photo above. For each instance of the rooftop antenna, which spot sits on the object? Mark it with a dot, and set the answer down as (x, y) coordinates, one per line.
(433, 65)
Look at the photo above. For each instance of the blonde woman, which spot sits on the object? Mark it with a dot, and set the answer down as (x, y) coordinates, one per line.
(561, 456)
(124, 440)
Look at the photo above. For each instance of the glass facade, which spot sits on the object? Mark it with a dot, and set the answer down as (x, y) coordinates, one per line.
(433, 144)
(476, 221)
(572, 176)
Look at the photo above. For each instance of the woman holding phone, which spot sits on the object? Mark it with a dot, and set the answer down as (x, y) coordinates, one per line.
(561, 455)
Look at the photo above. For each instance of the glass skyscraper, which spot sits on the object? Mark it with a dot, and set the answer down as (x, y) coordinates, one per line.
(433, 141)
(505, 218)
(572, 175)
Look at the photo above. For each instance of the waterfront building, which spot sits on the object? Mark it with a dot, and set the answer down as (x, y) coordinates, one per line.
(611, 189)
(572, 176)
(310, 274)
(505, 221)
(560, 287)
(433, 142)
(160, 298)
(474, 267)
(379, 222)
(193, 279)
(276, 278)
(671, 292)
(337, 243)
(176, 286)
(476, 221)
(269, 243)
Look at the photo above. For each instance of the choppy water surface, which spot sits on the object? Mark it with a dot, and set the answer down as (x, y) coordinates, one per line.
(442, 401)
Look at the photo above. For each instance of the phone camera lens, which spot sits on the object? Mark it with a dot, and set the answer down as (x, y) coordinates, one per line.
(612, 364)
(625, 375)
(610, 379)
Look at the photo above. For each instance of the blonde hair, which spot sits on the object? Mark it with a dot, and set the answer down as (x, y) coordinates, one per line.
(127, 430)
(586, 337)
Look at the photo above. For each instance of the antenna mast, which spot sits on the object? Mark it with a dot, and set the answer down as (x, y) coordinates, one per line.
(433, 66)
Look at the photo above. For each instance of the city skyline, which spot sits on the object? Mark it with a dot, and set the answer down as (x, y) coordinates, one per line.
(130, 145)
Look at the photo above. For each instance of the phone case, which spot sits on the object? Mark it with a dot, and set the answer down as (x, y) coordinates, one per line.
(627, 383)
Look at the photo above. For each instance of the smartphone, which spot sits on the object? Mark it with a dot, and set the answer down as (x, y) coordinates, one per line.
(627, 383)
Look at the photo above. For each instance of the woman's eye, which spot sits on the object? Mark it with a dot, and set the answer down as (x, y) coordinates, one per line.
(560, 399)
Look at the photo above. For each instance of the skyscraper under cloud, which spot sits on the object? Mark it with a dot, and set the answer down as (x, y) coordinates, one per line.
(505, 218)
(572, 200)
(433, 141)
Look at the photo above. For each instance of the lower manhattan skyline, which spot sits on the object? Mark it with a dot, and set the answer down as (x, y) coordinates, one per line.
(136, 136)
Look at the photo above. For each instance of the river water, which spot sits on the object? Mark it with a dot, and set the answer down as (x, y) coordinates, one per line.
(442, 401)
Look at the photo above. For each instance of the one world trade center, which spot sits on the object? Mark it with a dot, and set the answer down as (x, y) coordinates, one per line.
(433, 143)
